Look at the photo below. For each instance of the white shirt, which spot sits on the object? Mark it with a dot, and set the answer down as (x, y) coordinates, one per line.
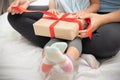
(69, 6)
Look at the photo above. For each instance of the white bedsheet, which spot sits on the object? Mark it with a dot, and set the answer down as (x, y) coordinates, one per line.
(20, 60)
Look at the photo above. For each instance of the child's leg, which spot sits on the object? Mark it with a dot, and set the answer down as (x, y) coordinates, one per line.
(74, 49)
(46, 65)
(54, 54)
(73, 52)
(52, 41)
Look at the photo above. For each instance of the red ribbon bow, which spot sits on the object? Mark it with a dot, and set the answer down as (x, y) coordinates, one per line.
(63, 18)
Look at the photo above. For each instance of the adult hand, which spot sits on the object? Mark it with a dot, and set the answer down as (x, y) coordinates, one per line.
(20, 3)
(96, 21)
(80, 13)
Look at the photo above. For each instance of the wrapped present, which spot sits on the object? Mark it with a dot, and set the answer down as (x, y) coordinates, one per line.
(63, 26)
(81, 23)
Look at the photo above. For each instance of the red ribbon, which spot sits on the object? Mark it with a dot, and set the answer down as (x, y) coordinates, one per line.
(89, 30)
(63, 18)
(54, 17)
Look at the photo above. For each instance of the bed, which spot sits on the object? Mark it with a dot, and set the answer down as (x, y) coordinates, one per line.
(20, 59)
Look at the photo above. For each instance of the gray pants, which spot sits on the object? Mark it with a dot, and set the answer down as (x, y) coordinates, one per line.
(74, 43)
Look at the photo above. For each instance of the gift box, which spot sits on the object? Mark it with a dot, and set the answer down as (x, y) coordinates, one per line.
(63, 26)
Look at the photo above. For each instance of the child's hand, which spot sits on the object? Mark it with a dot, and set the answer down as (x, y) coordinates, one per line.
(54, 11)
(83, 33)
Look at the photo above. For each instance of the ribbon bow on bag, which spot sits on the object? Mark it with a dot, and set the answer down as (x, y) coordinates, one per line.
(63, 18)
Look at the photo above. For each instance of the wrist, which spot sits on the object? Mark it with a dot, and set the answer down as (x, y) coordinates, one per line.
(106, 19)
(51, 7)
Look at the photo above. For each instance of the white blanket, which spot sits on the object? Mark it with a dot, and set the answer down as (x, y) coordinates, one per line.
(20, 60)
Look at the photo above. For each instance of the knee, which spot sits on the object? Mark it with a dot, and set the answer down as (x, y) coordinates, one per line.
(12, 18)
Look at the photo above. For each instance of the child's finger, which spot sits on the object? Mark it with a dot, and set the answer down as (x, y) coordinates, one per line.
(57, 12)
(74, 13)
(82, 36)
(82, 31)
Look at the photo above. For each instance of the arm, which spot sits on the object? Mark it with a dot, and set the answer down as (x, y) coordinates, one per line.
(52, 7)
(52, 4)
(111, 17)
(94, 6)
(31, 1)
(97, 20)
